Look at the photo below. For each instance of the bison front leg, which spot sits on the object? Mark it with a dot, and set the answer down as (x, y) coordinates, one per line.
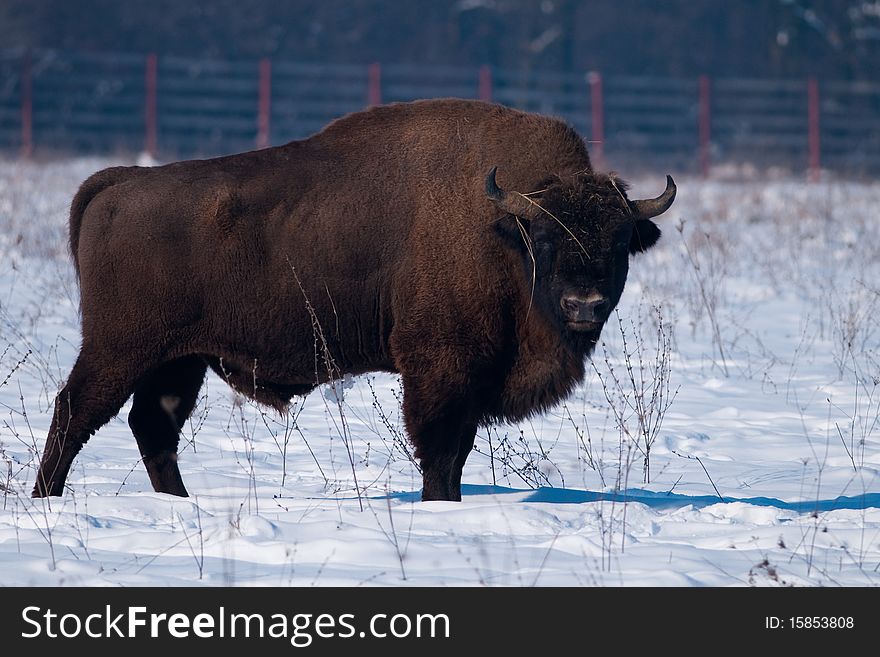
(438, 421)
(442, 447)
(465, 445)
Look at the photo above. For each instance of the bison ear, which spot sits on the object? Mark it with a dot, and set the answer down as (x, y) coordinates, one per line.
(644, 236)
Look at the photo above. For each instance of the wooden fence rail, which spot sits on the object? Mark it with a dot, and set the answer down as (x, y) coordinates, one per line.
(171, 107)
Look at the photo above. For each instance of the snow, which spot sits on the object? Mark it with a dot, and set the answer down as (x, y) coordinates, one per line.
(763, 470)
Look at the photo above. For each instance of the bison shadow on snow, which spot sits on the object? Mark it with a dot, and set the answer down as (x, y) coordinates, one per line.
(654, 499)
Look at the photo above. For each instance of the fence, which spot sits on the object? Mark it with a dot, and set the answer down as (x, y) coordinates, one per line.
(171, 107)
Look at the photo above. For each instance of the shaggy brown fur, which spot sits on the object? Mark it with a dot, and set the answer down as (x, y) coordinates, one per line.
(383, 218)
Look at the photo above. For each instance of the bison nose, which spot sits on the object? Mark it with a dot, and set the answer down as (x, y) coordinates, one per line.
(592, 308)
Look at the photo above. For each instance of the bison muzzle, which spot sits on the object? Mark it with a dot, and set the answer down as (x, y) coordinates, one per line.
(469, 247)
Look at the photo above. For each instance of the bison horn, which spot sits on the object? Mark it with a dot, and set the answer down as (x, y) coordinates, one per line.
(510, 202)
(651, 207)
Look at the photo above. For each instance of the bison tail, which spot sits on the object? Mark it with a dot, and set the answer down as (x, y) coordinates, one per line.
(88, 191)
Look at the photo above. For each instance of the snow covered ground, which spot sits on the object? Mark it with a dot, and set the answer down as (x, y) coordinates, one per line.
(752, 334)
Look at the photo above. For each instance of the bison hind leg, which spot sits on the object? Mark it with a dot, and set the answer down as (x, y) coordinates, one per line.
(98, 386)
(163, 401)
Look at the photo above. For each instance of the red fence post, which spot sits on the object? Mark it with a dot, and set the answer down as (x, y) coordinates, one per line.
(485, 84)
(813, 130)
(264, 108)
(597, 119)
(151, 76)
(27, 107)
(374, 88)
(705, 125)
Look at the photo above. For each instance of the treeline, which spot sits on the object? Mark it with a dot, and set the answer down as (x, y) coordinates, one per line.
(750, 38)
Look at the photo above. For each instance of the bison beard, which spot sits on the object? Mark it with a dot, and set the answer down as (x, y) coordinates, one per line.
(383, 232)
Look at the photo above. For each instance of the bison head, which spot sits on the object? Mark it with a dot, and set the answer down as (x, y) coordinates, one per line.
(576, 235)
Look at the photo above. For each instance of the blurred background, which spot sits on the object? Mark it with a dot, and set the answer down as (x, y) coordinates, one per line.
(696, 86)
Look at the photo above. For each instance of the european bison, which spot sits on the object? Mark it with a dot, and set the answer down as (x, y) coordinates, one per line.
(389, 235)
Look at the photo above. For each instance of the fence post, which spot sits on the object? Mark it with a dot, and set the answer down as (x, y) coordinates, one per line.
(705, 125)
(597, 119)
(813, 130)
(374, 87)
(27, 106)
(485, 84)
(264, 107)
(151, 76)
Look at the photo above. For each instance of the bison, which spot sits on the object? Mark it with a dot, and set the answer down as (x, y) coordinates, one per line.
(467, 246)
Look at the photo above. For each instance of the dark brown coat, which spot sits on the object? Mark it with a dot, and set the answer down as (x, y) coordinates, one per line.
(380, 232)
